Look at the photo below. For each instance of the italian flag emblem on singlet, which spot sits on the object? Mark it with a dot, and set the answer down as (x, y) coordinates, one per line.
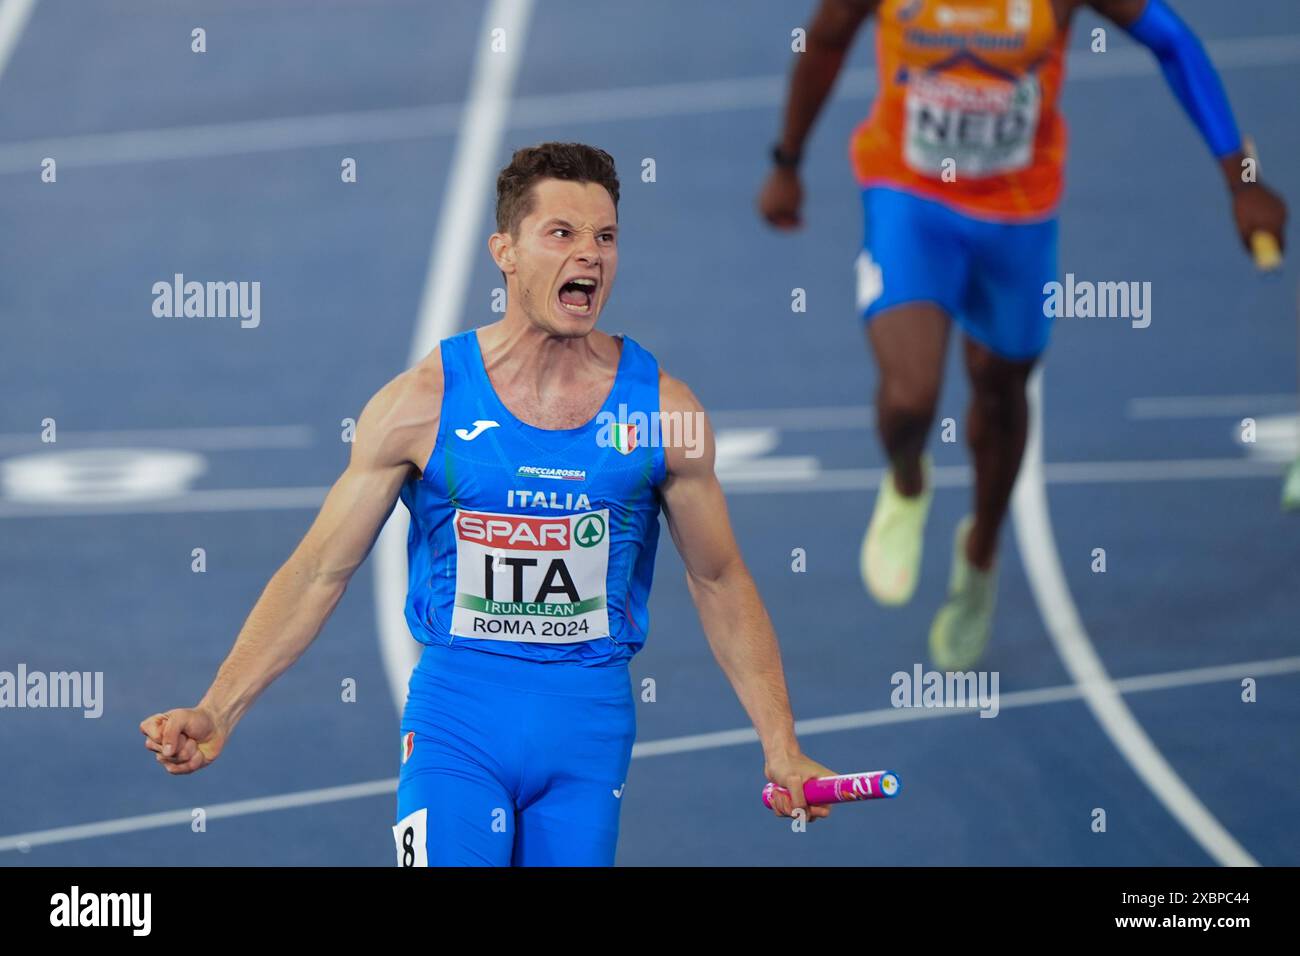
(623, 438)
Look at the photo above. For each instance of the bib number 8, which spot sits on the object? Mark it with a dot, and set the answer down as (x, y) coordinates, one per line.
(409, 836)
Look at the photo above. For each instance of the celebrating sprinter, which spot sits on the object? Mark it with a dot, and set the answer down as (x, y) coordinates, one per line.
(534, 524)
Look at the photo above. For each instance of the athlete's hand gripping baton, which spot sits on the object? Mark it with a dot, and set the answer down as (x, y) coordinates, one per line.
(1263, 245)
(844, 788)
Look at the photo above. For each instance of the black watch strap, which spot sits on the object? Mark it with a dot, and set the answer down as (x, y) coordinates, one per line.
(785, 160)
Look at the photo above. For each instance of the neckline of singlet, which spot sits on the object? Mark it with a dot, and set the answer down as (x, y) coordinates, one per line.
(480, 368)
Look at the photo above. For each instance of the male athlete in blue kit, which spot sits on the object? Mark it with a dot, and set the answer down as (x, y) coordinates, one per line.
(534, 522)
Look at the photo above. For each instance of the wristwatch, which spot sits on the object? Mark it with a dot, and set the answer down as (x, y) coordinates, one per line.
(785, 160)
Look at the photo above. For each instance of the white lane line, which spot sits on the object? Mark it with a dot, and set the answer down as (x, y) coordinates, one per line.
(1056, 473)
(464, 204)
(239, 808)
(796, 476)
(769, 91)
(692, 743)
(1276, 439)
(1227, 54)
(193, 502)
(1185, 469)
(742, 455)
(14, 15)
(1035, 697)
(218, 438)
(1042, 565)
(1208, 406)
(244, 137)
(862, 417)
(814, 419)
(792, 420)
(559, 109)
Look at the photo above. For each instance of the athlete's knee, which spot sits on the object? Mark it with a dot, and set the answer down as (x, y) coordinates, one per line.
(996, 382)
(907, 402)
(1004, 398)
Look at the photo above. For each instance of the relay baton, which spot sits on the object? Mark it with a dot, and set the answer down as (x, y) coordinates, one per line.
(1267, 253)
(1268, 257)
(847, 787)
(1263, 245)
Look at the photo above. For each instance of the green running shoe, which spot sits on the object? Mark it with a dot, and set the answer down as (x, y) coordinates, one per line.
(962, 628)
(1291, 488)
(890, 558)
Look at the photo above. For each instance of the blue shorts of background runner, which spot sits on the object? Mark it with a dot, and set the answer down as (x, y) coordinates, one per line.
(512, 762)
(988, 276)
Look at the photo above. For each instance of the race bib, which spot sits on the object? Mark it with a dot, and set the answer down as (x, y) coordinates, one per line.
(986, 128)
(531, 578)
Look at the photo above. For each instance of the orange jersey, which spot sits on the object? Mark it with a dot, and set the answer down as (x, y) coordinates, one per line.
(966, 111)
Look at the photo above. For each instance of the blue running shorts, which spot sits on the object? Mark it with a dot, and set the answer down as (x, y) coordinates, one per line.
(988, 276)
(512, 762)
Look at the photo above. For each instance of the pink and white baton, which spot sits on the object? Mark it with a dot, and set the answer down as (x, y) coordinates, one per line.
(844, 788)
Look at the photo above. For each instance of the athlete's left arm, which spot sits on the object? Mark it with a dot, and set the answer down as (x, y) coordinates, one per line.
(1195, 83)
(732, 613)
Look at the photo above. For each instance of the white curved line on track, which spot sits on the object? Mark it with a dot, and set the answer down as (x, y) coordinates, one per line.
(14, 15)
(1042, 562)
(483, 126)
(691, 743)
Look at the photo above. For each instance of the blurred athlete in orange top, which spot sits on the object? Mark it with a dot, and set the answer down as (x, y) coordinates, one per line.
(960, 164)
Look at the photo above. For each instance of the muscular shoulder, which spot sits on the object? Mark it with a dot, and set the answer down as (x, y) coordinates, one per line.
(676, 396)
(690, 448)
(400, 422)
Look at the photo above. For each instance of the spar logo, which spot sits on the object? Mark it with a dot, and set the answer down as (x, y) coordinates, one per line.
(518, 533)
(590, 531)
(527, 533)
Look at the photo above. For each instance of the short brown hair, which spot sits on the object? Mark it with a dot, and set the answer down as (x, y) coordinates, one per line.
(575, 162)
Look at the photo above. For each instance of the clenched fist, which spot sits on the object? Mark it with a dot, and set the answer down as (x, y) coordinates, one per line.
(184, 739)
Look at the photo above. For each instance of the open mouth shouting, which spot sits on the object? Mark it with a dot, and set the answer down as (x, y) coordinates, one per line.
(577, 296)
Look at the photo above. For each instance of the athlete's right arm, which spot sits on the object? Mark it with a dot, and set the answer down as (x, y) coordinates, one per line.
(396, 431)
(830, 35)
